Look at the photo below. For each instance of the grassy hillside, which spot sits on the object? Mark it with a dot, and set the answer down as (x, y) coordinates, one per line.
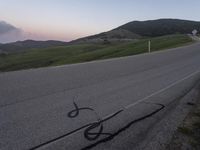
(85, 52)
(111, 36)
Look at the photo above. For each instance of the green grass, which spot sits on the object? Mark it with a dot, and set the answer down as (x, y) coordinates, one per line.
(86, 52)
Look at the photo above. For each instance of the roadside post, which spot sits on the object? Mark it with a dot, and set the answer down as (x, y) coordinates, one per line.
(149, 46)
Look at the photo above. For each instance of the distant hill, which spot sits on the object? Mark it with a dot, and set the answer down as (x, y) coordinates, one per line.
(21, 46)
(160, 27)
(150, 28)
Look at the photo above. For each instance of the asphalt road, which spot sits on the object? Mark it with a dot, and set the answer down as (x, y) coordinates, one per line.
(91, 104)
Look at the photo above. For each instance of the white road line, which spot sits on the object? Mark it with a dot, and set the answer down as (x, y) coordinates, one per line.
(155, 93)
(133, 104)
(162, 90)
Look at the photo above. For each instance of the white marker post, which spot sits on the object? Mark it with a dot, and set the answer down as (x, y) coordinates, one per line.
(149, 46)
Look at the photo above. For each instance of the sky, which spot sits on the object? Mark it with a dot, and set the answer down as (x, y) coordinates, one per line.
(71, 19)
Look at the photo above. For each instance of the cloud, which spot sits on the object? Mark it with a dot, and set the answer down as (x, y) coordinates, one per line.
(10, 33)
(6, 28)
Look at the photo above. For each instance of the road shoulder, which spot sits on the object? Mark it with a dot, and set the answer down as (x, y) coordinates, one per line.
(166, 134)
(187, 135)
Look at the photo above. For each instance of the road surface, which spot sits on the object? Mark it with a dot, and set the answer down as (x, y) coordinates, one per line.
(89, 105)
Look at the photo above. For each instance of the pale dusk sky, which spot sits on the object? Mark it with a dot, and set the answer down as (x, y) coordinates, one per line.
(70, 19)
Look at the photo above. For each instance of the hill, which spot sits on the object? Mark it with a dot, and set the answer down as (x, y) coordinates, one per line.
(160, 27)
(141, 29)
(22, 46)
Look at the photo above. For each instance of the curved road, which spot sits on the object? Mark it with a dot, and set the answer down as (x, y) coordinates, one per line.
(86, 105)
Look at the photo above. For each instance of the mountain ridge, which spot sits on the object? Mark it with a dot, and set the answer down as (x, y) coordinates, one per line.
(142, 29)
(160, 27)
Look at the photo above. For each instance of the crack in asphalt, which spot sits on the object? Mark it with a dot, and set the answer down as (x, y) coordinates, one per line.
(87, 132)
